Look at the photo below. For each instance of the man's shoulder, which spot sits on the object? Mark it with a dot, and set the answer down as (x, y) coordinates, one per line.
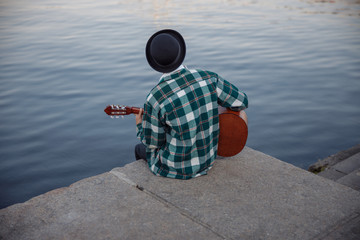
(203, 73)
(166, 87)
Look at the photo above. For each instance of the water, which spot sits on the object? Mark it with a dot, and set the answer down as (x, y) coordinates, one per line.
(62, 62)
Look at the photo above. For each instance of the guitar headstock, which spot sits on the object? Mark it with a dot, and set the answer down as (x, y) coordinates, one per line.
(120, 110)
(117, 110)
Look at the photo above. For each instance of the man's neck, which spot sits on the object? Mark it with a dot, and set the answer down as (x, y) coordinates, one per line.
(168, 74)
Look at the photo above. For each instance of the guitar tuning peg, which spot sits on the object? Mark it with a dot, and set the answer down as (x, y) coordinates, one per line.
(117, 116)
(112, 117)
(122, 116)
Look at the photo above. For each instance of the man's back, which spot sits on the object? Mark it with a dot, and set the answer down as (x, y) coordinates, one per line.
(180, 126)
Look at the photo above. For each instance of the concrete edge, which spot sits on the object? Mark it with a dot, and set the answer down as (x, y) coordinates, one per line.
(163, 201)
(323, 164)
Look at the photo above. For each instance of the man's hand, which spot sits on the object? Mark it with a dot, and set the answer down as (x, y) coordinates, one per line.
(139, 116)
(244, 116)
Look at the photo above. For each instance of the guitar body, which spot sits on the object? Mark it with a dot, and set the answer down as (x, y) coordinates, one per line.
(233, 133)
(233, 129)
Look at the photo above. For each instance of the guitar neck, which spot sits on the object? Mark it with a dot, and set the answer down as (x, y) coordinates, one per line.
(134, 110)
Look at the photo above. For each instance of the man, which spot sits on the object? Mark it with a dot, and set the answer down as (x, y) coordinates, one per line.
(179, 126)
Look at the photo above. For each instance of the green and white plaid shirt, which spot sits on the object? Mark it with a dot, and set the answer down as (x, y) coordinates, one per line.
(180, 127)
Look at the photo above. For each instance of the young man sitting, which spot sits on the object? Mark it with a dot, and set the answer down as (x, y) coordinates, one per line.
(179, 126)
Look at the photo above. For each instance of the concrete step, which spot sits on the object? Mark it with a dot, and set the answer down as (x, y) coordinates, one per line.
(345, 171)
(351, 180)
(331, 174)
(334, 159)
(349, 164)
(248, 196)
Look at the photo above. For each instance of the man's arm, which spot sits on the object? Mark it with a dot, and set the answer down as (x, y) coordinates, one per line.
(150, 130)
(230, 96)
(139, 116)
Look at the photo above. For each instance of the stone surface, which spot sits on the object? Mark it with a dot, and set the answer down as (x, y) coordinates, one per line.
(331, 174)
(347, 230)
(334, 159)
(349, 164)
(102, 207)
(254, 194)
(351, 180)
(343, 167)
(248, 196)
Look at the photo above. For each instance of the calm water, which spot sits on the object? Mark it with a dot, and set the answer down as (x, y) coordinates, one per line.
(62, 62)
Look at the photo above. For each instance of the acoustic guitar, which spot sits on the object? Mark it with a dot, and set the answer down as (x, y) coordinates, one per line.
(233, 129)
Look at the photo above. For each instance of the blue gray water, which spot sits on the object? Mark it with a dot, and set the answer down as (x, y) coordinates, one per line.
(62, 62)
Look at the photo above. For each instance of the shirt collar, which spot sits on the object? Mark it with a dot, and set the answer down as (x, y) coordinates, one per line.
(168, 74)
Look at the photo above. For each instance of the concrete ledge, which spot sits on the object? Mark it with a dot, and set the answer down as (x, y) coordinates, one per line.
(342, 167)
(249, 196)
(334, 159)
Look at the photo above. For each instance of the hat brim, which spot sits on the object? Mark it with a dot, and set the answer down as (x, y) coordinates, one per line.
(174, 65)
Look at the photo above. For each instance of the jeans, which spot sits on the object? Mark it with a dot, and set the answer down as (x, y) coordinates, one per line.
(140, 151)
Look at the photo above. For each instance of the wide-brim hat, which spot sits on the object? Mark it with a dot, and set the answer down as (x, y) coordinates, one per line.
(165, 50)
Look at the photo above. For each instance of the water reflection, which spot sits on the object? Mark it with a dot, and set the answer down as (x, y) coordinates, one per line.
(339, 7)
(217, 13)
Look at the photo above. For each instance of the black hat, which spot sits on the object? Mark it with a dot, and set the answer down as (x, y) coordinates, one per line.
(165, 50)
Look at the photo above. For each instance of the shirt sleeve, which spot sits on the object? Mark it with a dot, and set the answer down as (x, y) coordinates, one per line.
(230, 96)
(151, 132)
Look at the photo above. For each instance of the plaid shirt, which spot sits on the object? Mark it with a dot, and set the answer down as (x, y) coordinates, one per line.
(180, 125)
